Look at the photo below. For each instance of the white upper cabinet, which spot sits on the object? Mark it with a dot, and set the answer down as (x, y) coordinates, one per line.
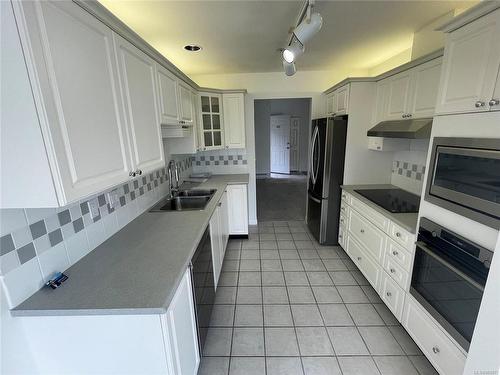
(211, 125)
(337, 102)
(138, 83)
(470, 67)
(398, 95)
(409, 94)
(234, 120)
(342, 102)
(423, 92)
(77, 98)
(186, 103)
(168, 96)
(331, 102)
(382, 94)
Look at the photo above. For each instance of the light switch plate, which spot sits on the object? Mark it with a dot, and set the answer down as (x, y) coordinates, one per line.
(94, 208)
(113, 198)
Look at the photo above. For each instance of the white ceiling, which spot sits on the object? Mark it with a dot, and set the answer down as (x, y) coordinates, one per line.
(243, 36)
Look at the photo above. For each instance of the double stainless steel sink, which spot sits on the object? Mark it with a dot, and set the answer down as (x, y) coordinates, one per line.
(185, 200)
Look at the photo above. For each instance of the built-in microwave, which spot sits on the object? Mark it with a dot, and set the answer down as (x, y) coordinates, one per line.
(464, 177)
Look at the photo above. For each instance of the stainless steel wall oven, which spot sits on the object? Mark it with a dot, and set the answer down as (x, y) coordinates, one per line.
(448, 279)
(464, 177)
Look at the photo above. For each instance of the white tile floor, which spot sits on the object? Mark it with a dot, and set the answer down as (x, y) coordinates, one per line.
(286, 305)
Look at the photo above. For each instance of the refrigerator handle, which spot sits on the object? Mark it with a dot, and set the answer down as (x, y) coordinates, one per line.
(314, 199)
(314, 169)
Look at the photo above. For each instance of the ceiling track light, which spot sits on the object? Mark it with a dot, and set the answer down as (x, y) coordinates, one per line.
(289, 68)
(308, 25)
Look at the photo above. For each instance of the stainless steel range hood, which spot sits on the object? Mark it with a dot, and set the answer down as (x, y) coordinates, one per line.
(412, 129)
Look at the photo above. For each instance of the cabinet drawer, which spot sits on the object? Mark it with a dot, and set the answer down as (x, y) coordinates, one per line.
(376, 218)
(342, 236)
(346, 196)
(344, 208)
(392, 295)
(444, 355)
(343, 220)
(368, 267)
(398, 254)
(396, 272)
(367, 234)
(401, 236)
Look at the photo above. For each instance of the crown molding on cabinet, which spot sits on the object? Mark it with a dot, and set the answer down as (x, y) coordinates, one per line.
(469, 15)
(223, 91)
(411, 64)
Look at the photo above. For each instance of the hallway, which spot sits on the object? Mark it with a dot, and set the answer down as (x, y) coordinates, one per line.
(281, 197)
(286, 305)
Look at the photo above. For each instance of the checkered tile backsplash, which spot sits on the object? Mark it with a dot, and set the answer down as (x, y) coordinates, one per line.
(212, 160)
(64, 227)
(408, 170)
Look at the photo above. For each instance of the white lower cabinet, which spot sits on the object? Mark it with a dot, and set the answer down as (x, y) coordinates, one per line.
(369, 267)
(444, 355)
(388, 270)
(237, 197)
(179, 325)
(392, 295)
(216, 241)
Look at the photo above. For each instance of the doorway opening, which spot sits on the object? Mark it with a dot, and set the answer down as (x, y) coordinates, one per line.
(282, 132)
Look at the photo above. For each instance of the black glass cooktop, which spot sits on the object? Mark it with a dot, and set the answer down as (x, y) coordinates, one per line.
(393, 200)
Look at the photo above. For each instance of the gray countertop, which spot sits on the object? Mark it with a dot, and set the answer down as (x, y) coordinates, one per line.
(406, 220)
(137, 270)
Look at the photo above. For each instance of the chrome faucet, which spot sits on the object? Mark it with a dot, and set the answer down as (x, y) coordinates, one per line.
(173, 190)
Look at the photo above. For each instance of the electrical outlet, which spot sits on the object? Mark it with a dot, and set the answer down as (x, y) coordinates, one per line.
(94, 208)
(113, 198)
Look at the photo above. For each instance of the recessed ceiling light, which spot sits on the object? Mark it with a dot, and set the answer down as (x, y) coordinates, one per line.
(193, 48)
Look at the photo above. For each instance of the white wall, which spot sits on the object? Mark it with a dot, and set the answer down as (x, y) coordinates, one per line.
(264, 109)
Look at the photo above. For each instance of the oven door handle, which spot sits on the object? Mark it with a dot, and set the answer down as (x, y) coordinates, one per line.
(467, 278)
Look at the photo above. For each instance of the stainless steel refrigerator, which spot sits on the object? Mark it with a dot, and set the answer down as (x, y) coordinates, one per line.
(326, 173)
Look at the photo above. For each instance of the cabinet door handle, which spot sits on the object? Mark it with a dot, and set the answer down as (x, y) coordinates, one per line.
(219, 204)
(362, 231)
(395, 253)
(131, 174)
(435, 350)
(392, 270)
(359, 258)
(403, 115)
(138, 172)
(493, 102)
(388, 294)
(479, 104)
(398, 234)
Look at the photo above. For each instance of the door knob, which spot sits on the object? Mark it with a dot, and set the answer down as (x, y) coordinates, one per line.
(493, 102)
(388, 294)
(395, 253)
(435, 350)
(479, 104)
(362, 231)
(392, 270)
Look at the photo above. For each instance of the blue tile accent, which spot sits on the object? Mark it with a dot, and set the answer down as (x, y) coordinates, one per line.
(26, 253)
(38, 229)
(55, 237)
(64, 217)
(6, 244)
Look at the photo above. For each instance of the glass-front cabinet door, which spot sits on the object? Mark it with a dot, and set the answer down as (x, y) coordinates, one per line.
(211, 121)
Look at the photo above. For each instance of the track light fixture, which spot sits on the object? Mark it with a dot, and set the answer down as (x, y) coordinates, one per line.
(311, 23)
(289, 68)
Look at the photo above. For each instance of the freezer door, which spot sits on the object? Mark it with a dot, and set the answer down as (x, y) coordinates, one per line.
(314, 216)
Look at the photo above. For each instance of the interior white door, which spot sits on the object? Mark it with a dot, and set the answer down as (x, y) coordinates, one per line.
(83, 126)
(280, 144)
(138, 79)
(295, 144)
